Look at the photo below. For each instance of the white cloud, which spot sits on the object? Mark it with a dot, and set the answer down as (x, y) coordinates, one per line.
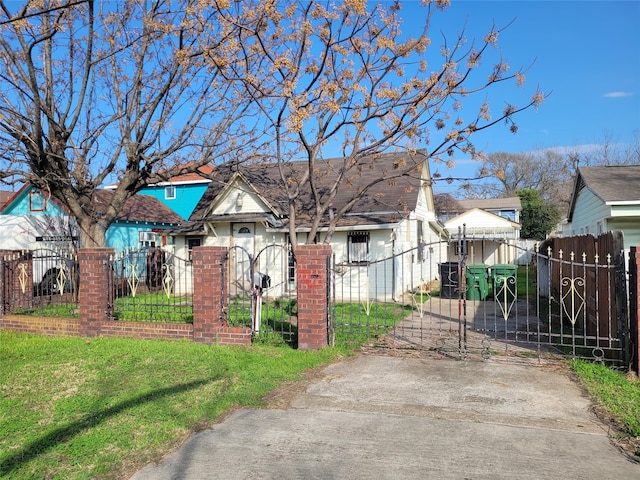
(618, 94)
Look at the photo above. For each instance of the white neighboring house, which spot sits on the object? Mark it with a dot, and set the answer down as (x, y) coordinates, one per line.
(246, 208)
(606, 199)
(29, 232)
(491, 239)
(491, 227)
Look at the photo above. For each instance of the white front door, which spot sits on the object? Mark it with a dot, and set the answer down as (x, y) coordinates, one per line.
(243, 243)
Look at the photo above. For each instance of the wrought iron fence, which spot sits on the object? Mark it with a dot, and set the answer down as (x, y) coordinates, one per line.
(151, 285)
(262, 292)
(370, 299)
(42, 282)
(560, 303)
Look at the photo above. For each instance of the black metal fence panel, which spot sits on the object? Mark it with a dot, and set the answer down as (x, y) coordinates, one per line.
(43, 282)
(151, 285)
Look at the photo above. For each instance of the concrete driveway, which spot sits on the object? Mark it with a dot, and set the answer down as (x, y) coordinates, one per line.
(386, 417)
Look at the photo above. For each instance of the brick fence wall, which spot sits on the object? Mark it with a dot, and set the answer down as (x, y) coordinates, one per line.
(209, 299)
(208, 323)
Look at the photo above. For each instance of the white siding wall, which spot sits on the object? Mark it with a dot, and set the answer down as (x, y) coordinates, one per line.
(588, 211)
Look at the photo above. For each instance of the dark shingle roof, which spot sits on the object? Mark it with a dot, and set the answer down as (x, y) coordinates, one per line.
(139, 208)
(387, 201)
(615, 183)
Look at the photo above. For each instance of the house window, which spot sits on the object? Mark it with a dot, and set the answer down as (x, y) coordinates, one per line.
(169, 192)
(508, 214)
(358, 247)
(420, 241)
(191, 243)
(37, 202)
(291, 264)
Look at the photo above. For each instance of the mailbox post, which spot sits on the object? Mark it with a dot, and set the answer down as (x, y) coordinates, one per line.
(261, 281)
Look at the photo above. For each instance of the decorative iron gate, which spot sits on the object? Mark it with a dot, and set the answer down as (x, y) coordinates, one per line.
(261, 292)
(558, 303)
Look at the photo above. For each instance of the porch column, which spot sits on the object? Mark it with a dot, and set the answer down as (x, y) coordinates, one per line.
(93, 297)
(313, 305)
(634, 309)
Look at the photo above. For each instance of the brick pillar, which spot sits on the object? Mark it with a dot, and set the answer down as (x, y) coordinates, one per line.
(94, 292)
(313, 305)
(634, 309)
(208, 294)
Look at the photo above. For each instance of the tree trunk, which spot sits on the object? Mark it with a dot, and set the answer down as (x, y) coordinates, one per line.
(92, 234)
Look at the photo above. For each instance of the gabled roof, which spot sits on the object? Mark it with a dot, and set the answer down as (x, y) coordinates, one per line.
(388, 201)
(613, 184)
(484, 213)
(138, 208)
(24, 190)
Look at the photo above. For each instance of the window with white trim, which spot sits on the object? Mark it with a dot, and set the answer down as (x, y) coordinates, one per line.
(358, 247)
(169, 192)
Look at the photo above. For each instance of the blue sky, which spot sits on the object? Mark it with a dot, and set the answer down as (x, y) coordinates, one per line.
(586, 54)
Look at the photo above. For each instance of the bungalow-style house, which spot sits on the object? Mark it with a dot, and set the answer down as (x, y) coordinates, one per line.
(491, 227)
(606, 199)
(142, 222)
(246, 207)
(180, 193)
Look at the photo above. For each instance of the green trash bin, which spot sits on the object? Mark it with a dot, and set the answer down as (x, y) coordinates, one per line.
(504, 281)
(477, 276)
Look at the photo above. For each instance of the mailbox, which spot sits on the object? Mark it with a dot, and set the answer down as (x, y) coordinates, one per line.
(261, 280)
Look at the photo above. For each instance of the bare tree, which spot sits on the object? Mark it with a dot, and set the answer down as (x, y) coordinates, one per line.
(547, 172)
(134, 90)
(93, 92)
(608, 151)
(341, 80)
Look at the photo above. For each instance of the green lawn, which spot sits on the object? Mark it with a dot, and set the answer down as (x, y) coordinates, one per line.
(75, 408)
(618, 394)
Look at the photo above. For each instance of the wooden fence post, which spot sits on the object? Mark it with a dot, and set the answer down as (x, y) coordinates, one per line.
(634, 309)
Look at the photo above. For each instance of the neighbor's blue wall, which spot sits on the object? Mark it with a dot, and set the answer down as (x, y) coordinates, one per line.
(21, 205)
(187, 197)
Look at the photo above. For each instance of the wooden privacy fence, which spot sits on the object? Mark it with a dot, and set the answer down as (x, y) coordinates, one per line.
(585, 277)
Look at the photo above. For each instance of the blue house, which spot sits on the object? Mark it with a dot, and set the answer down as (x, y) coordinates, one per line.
(141, 222)
(182, 192)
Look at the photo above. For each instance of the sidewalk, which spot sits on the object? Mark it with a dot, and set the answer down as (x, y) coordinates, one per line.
(385, 417)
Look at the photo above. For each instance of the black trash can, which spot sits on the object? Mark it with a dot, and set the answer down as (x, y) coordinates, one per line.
(449, 280)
